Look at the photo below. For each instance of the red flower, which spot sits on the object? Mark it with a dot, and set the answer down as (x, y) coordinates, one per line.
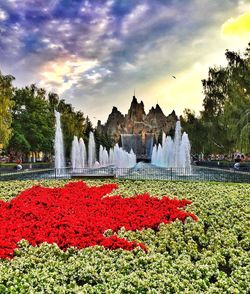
(78, 215)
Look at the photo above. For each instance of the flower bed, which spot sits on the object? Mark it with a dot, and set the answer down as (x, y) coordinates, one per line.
(78, 215)
(207, 256)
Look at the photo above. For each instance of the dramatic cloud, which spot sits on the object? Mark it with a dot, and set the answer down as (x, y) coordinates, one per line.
(64, 72)
(94, 53)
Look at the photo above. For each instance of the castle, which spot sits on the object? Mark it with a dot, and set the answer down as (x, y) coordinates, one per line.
(136, 129)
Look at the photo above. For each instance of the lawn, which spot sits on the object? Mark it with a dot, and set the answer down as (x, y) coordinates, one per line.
(210, 255)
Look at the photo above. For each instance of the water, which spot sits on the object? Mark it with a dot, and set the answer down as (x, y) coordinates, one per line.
(132, 141)
(91, 150)
(122, 158)
(104, 159)
(78, 154)
(141, 145)
(116, 156)
(83, 153)
(173, 153)
(58, 144)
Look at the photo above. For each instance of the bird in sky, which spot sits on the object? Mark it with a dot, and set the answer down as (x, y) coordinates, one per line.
(174, 77)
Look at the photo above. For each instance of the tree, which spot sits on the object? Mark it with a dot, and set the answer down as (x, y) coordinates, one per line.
(88, 127)
(227, 104)
(215, 90)
(237, 106)
(6, 102)
(53, 101)
(33, 122)
(195, 129)
(73, 122)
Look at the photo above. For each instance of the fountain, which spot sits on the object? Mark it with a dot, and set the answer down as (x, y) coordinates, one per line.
(91, 150)
(78, 154)
(104, 159)
(173, 153)
(123, 159)
(58, 144)
(140, 144)
(170, 160)
(115, 157)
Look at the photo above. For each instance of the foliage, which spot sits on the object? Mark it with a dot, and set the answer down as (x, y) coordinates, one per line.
(33, 122)
(227, 103)
(101, 138)
(194, 257)
(222, 125)
(6, 102)
(73, 124)
(195, 129)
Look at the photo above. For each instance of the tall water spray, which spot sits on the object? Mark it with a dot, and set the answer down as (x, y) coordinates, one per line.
(58, 144)
(91, 150)
(78, 154)
(173, 153)
(116, 156)
(83, 153)
(177, 145)
(103, 156)
(123, 159)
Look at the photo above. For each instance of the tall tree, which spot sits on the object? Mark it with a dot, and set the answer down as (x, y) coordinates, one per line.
(33, 122)
(227, 104)
(6, 102)
(237, 107)
(215, 90)
(196, 131)
(73, 122)
(53, 101)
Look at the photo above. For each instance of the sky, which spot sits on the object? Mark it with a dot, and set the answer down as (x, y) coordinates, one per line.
(94, 54)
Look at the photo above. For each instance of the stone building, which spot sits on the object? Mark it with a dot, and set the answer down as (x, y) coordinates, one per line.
(136, 129)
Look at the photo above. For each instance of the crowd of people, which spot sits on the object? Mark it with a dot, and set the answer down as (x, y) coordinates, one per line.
(238, 159)
(225, 157)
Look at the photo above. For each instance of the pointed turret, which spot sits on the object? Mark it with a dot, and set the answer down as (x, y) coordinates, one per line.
(136, 111)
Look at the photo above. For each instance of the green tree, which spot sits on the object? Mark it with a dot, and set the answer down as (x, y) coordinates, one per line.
(33, 122)
(237, 106)
(73, 122)
(53, 101)
(227, 104)
(196, 131)
(215, 90)
(88, 127)
(6, 102)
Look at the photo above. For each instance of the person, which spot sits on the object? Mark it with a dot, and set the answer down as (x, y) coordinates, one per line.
(237, 161)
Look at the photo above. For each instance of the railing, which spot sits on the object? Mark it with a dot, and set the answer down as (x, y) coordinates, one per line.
(244, 166)
(11, 167)
(145, 173)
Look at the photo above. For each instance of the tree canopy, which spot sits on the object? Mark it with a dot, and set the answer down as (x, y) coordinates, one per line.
(6, 102)
(224, 120)
(33, 121)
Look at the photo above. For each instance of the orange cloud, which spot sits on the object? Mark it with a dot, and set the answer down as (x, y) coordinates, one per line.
(70, 67)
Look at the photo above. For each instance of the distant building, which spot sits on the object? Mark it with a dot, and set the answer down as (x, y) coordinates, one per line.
(136, 129)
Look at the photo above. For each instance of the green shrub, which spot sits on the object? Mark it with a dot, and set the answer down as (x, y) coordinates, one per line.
(208, 256)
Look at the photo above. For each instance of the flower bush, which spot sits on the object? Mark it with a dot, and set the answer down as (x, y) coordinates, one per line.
(208, 256)
(78, 215)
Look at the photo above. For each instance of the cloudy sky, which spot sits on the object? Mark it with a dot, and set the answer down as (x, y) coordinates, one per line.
(95, 53)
